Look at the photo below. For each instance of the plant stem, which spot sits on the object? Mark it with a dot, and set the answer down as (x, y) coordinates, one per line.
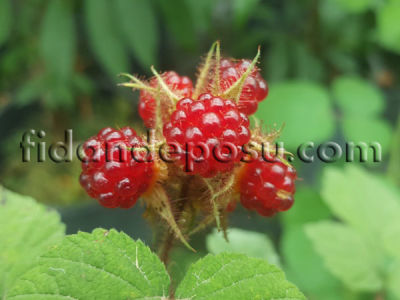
(169, 239)
(167, 246)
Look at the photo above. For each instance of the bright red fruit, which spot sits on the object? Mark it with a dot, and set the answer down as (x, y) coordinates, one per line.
(112, 172)
(210, 130)
(267, 187)
(182, 86)
(255, 88)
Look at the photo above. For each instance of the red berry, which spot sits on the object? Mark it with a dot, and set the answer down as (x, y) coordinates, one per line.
(112, 172)
(267, 187)
(255, 88)
(211, 130)
(180, 85)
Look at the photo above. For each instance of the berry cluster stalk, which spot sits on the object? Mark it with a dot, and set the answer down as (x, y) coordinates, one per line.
(170, 236)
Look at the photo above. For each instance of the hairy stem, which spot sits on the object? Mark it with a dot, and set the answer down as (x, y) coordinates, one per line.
(166, 247)
(170, 238)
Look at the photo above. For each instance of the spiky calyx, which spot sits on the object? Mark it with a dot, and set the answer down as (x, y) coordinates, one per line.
(181, 86)
(254, 90)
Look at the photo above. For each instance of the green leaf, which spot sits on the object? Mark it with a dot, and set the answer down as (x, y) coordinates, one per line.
(242, 10)
(58, 40)
(353, 38)
(179, 22)
(306, 268)
(308, 207)
(332, 15)
(363, 201)
(235, 276)
(368, 130)
(303, 107)
(355, 6)
(307, 65)
(357, 97)
(239, 241)
(181, 259)
(103, 37)
(27, 230)
(6, 14)
(346, 255)
(139, 28)
(202, 13)
(82, 83)
(344, 62)
(101, 265)
(393, 281)
(388, 28)
(277, 60)
(59, 94)
(53, 92)
(31, 90)
(391, 240)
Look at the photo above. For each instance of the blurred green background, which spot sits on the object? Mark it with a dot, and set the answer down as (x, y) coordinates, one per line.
(333, 67)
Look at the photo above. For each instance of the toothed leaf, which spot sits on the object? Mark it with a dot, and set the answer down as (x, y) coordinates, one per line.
(27, 229)
(99, 265)
(235, 276)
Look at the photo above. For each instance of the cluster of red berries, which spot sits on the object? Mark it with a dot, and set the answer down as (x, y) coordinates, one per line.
(206, 126)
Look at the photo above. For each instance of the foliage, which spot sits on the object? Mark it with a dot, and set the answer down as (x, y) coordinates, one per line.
(27, 230)
(235, 276)
(290, 99)
(361, 104)
(302, 263)
(370, 211)
(108, 264)
(238, 241)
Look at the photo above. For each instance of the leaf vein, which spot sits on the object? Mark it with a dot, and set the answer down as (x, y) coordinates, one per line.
(97, 268)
